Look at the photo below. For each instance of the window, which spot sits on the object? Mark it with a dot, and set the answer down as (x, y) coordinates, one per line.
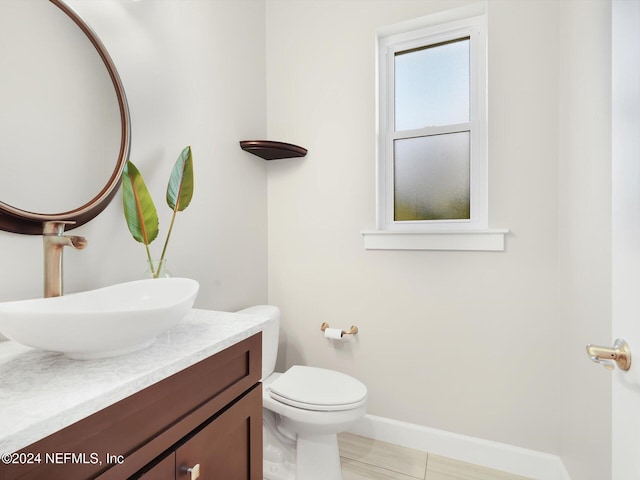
(430, 144)
(432, 128)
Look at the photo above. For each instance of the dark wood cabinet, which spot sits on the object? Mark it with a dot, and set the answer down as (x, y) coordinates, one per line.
(222, 448)
(163, 470)
(209, 414)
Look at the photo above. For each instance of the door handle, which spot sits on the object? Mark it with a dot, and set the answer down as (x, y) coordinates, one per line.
(608, 357)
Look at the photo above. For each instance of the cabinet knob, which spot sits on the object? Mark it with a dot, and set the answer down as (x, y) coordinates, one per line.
(194, 472)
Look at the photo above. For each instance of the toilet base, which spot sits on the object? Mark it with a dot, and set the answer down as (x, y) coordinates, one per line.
(318, 458)
(279, 450)
(302, 444)
(278, 470)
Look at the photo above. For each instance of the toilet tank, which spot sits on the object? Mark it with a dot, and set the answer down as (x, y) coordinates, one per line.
(270, 334)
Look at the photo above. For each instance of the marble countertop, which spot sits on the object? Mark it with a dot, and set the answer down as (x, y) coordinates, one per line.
(43, 392)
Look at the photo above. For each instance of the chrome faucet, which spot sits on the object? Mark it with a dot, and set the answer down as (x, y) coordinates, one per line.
(54, 241)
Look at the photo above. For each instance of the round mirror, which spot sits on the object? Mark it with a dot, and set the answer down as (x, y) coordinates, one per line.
(64, 126)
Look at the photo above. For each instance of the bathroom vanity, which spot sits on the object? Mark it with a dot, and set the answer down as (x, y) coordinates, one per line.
(188, 406)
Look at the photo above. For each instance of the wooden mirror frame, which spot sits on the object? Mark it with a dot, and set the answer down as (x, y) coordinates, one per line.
(15, 220)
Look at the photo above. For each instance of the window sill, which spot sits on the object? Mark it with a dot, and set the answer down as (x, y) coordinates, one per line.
(491, 240)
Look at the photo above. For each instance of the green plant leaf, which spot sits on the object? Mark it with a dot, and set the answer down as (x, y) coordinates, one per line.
(180, 187)
(139, 209)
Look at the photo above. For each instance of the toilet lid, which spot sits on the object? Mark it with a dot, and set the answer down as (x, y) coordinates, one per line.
(318, 389)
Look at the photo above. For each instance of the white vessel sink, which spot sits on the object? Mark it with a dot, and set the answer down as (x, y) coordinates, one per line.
(100, 323)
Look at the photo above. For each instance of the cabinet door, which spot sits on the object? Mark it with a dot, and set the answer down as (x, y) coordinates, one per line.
(165, 470)
(230, 447)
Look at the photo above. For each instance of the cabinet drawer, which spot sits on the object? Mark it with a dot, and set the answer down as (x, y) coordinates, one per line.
(132, 432)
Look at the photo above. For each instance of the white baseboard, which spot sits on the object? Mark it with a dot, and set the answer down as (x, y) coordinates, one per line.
(516, 460)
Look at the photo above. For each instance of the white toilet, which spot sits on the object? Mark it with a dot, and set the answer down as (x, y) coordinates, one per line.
(304, 409)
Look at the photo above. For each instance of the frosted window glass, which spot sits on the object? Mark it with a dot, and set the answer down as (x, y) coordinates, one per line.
(431, 177)
(432, 86)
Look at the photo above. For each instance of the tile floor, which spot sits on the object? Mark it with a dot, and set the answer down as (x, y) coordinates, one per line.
(366, 459)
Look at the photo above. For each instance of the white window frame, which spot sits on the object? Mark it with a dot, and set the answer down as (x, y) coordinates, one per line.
(467, 234)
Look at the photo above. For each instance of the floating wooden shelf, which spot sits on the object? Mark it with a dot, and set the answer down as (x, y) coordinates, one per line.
(272, 150)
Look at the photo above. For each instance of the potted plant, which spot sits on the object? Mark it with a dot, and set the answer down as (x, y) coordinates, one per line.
(140, 211)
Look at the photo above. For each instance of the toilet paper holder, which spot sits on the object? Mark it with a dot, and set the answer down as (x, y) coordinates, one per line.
(352, 331)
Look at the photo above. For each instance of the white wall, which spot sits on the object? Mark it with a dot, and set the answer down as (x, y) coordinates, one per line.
(194, 74)
(466, 342)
